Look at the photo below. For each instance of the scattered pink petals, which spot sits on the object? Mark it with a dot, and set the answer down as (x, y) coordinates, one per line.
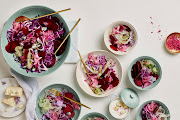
(159, 31)
(156, 28)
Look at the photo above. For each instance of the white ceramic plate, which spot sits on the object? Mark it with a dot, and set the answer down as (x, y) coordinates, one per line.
(81, 76)
(10, 82)
(108, 31)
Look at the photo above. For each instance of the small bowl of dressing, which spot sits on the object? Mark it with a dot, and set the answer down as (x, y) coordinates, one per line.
(120, 107)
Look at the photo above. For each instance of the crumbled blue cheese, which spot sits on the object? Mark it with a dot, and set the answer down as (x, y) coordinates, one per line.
(20, 106)
(14, 91)
(9, 101)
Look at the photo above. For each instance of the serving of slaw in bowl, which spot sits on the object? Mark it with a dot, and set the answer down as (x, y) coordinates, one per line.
(53, 107)
(120, 37)
(153, 110)
(148, 69)
(15, 63)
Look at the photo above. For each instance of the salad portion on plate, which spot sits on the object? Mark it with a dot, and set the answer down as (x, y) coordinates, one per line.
(144, 72)
(33, 43)
(102, 73)
(153, 111)
(56, 107)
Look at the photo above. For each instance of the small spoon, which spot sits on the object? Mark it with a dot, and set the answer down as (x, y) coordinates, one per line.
(24, 18)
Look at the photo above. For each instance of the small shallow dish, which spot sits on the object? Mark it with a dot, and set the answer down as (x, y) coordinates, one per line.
(112, 112)
(58, 87)
(153, 84)
(172, 51)
(138, 115)
(94, 114)
(31, 12)
(81, 76)
(107, 33)
(7, 111)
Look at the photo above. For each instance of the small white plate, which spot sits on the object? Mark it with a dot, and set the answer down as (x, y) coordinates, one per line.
(81, 76)
(10, 82)
(108, 31)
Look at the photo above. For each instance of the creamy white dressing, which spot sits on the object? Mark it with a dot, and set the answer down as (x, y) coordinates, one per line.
(118, 109)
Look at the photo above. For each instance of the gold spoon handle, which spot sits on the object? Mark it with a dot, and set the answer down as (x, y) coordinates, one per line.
(84, 66)
(92, 88)
(58, 93)
(67, 36)
(76, 102)
(50, 14)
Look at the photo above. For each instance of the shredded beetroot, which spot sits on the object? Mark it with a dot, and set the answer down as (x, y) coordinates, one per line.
(173, 42)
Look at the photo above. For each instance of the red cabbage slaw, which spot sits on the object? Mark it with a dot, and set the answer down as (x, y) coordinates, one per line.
(121, 38)
(56, 107)
(95, 118)
(102, 74)
(33, 43)
(153, 111)
(145, 73)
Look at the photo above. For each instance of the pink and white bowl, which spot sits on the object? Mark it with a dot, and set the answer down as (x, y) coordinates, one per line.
(107, 38)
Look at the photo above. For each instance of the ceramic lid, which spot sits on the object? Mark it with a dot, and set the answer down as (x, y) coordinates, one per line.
(130, 97)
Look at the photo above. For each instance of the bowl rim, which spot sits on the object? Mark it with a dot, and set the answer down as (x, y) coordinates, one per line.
(55, 85)
(4, 32)
(140, 58)
(91, 113)
(149, 101)
(78, 81)
(106, 40)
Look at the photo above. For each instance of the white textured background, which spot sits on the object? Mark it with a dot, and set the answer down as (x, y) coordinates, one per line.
(96, 16)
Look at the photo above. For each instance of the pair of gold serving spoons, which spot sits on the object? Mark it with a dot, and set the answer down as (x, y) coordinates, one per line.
(25, 18)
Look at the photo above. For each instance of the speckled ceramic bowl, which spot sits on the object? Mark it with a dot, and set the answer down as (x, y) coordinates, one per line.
(31, 12)
(138, 116)
(107, 33)
(58, 87)
(94, 114)
(153, 84)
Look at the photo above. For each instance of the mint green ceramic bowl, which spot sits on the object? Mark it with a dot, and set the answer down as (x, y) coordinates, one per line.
(159, 73)
(31, 12)
(138, 115)
(94, 114)
(58, 87)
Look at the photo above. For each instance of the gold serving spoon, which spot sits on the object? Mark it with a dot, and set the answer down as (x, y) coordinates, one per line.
(92, 88)
(58, 93)
(54, 55)
(67, 36)
(24, 18)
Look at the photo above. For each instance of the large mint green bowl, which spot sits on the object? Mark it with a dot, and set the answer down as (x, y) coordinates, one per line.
(94, 114)
(31, 12)
(58, 87)
(138, 115)
(159, 73)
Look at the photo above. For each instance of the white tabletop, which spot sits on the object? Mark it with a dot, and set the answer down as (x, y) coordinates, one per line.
(96, 16)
